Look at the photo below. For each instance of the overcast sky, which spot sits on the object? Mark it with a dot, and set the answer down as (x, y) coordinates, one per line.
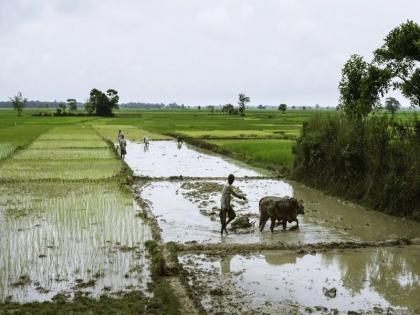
(193, 52)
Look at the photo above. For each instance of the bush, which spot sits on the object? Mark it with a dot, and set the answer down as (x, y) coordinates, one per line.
(373, 160)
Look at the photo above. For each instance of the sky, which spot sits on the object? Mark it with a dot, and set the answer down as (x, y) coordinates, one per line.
(193, 52)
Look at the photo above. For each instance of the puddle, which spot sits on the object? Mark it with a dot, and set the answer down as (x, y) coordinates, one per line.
(188, 211)
(279, 282)
(186, 214)
(166, 159)
(61, 238)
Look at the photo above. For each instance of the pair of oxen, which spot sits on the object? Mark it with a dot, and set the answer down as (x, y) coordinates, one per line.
(279, 209)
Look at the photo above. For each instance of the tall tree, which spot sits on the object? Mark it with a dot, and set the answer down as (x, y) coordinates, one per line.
(283, 107)
(361, 87)
(243, 100)
(400, 55)
(392, 105)
(103, 103)
(72, 103)
(18, 102)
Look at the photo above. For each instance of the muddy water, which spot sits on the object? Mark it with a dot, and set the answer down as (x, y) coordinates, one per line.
(375, 280)
(61, 238)
(188, 211)
(166, 158)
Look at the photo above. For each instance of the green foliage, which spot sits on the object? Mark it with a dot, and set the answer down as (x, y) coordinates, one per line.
(103, 103)
(400, 55)
(243, 100)
(361, 87)
(373, 160)
(72, 103)
(283, 107)
(392, 105)
(18, 103)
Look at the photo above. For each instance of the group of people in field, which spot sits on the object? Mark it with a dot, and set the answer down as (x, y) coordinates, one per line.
(282, 209)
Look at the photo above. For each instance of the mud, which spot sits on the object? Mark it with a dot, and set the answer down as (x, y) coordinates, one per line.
(281, 282)
(189, 212)
(165, 159)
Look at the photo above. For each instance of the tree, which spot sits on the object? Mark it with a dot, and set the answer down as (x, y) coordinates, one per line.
(261, 106)
(72, 103)
(283, 107)
(89, 108)
(199, 107)
(62, 107)
(103, 103)
(242, 102)
(392, 105)
(400, 55)
(228, 109)
(18, 102)
(361, 87)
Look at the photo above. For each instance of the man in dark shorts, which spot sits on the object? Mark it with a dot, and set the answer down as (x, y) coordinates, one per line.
(226, 208)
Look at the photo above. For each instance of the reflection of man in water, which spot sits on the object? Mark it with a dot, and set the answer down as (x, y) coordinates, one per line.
(225, 264)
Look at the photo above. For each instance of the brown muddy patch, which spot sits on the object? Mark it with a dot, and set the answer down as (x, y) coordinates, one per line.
(374, 280)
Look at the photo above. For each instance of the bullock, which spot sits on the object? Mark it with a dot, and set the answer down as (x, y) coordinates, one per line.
(278, 208)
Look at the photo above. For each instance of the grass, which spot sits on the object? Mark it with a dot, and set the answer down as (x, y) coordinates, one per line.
(130, 132)
(58, 232)
(266, 152)
(53, 156)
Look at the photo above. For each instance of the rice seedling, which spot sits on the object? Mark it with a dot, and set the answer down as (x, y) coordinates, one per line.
(6, 149)
(70, 237)
(268, 151)
(67, 144)
(130, 132)
(59, 169)
(65, 154)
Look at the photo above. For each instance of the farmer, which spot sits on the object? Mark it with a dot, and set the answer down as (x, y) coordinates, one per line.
(146, 141)
(179, 142)
(226, 208)
(119, 135)
(123, 147)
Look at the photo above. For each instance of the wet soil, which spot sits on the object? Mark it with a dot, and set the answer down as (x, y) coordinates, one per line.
(375, 280)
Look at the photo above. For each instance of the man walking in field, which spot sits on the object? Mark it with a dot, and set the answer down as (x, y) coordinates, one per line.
(123, 147)
(226, 208)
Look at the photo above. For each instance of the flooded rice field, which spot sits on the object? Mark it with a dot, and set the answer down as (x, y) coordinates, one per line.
(378, 281)
(234, 280)
(167, 158)
(189, 211)
(69, 238)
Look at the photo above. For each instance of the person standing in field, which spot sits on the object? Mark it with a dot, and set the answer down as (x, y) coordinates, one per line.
(226, 207)
(123, 147)
(119, 135)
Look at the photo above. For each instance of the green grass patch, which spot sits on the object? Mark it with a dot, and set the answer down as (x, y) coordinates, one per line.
(67, 144)
(269, 152)
(65, 154)
(132, 133)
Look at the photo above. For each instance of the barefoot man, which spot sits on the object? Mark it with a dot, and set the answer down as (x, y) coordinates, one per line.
(226, 208)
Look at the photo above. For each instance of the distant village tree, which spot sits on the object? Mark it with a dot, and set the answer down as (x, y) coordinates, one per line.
(18, 103)
(228, 109)
(243, 100)
(103, 103)
(261, 106)
(72, 103)
(392, 105)
(62, 106)
(89, 107)
(283, 107)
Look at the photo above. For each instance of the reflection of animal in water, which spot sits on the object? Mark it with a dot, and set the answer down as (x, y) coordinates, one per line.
(278, 208)
(280, 259)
